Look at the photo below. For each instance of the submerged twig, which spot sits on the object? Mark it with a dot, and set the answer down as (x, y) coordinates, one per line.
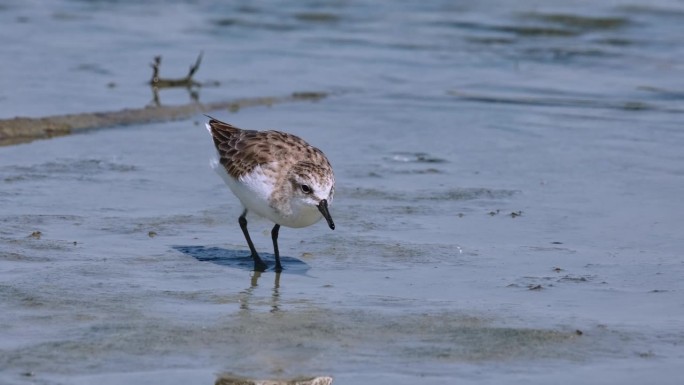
(187, 81)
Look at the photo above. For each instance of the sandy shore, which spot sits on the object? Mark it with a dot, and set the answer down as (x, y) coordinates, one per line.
(22, 130)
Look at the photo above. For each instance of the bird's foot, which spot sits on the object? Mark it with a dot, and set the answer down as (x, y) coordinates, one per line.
(259, 265)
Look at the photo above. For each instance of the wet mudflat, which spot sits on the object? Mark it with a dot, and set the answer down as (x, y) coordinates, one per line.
(508, 206)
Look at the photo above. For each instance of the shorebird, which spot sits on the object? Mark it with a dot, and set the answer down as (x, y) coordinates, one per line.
(275, 175)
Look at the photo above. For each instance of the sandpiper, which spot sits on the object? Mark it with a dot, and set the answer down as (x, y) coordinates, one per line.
(275, 175)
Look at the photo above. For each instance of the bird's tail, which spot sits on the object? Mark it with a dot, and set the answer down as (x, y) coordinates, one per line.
(219, 129)
(220, 132)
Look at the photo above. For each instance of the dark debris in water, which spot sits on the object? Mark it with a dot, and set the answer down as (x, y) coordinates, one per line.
(598, 103)
(534, 31)
(93, 68)
(309, 95)
(615, 41)
(486, 40)
(414, 157)
(579, 22)
(225, 22)
(544, 282)
(282, 25)
(534, 25)
(577, 279)
(513, 214)
(517, 30)
(317, 17)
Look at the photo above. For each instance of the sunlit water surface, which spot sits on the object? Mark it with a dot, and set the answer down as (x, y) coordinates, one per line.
(509, 194)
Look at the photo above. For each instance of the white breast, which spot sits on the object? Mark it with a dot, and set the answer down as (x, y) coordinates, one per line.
(255, 189)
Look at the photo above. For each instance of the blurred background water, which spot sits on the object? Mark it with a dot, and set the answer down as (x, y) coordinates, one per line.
(509, 201)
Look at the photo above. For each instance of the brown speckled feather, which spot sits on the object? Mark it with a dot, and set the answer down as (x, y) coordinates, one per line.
(240, 151)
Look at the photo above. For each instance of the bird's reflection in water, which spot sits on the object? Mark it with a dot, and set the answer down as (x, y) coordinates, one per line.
(254, 282)
(239, 259)
(193, 94)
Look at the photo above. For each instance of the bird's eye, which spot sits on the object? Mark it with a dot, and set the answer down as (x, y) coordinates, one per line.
(306, 189)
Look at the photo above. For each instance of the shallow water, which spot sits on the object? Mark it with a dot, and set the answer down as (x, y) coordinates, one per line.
(508, 206)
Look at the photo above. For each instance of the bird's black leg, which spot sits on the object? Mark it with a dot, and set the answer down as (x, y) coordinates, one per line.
(259, 265)
(274, 236)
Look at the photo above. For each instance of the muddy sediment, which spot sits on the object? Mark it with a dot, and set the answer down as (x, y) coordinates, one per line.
(22, 129)
(230, 379)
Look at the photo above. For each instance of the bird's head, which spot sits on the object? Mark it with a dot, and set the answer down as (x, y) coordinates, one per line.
(313, 186)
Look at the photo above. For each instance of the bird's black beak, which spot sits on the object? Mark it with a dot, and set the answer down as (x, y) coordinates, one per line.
(323, 208)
